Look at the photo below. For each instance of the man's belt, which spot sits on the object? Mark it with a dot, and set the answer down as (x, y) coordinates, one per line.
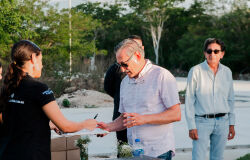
(212, 115)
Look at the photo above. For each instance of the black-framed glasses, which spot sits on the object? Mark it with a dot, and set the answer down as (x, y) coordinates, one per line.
(124, 64)
(210, 51)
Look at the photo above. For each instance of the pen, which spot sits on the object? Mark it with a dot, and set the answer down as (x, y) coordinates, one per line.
(96, 116)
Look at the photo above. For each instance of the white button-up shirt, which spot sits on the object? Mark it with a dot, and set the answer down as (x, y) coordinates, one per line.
(154, 91)
(208, 93)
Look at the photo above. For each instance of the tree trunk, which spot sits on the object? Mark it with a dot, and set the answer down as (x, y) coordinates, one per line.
(92, 59)
(156, 37)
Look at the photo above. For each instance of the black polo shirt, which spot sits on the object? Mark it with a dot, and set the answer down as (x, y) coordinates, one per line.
(26, 127)
(112, 82)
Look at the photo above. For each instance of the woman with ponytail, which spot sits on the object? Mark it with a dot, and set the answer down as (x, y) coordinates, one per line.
(27, 106)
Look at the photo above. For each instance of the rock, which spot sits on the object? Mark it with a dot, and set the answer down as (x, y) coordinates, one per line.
(70, 89)
(83, 97)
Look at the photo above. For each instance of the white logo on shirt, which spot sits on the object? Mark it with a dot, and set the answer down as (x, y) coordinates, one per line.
(16, 101)
(47, 92)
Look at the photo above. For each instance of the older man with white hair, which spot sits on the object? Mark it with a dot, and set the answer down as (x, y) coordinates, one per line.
(149, 102)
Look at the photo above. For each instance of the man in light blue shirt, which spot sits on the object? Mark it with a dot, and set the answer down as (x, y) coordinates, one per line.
(210, 103)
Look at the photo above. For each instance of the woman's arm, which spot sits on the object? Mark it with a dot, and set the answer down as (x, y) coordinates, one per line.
(55, 115)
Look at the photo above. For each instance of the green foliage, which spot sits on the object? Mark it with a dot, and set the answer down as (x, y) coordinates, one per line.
(82, 143)
(246, 157)
(66, 103)
(232, 28)
(182, 96)
(182, 92)
(235, 28)
(174, 48)
(124, 150)
(10, 26)
(115, 25)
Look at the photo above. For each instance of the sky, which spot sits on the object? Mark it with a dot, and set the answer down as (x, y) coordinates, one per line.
(65, 3)
(186, 4)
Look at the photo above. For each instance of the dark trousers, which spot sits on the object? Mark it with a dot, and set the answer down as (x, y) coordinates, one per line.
(122, 136)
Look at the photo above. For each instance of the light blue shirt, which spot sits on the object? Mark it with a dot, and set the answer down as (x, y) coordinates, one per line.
(207, 93)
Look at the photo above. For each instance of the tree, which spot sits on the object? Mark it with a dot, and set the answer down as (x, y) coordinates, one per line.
(178, 55)
(235, 28)
(11, 26)
(115, 25)
(87, 29)
(154, 13)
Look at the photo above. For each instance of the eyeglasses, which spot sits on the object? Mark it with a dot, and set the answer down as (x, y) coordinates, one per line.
(216, 51)
(124, 64)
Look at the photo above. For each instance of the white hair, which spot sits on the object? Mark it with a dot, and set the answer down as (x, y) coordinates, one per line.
(131, 45)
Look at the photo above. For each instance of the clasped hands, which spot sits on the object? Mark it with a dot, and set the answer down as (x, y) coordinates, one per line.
(132, 119)
(127, 120)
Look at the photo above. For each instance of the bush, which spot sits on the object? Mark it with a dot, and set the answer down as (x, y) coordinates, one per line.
(65, 102)
(182, 96)
(124, 150)
(82, 143)
(246, 157)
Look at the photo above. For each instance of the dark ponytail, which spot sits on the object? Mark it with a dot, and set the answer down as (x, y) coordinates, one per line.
(21, 52)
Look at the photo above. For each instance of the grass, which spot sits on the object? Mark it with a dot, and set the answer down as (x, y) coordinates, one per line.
(246, 157)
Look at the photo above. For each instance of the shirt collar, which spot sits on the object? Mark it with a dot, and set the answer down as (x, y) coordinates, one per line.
(147, 66)
(208, 68)
(145, 69)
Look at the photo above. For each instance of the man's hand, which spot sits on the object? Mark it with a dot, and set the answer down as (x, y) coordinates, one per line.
(103, 126)
(133, 119)
(231, 133)
(193, 134)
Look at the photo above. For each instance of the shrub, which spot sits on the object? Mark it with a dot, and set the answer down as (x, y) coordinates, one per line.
(246, 157)
(82, 143)
(65, 102)
(124, 150)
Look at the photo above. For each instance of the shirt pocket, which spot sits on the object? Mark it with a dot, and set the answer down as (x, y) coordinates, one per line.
(150, 102)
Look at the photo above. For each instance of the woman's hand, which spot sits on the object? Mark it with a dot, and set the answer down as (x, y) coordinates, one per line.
(90, 124)
(54, 127)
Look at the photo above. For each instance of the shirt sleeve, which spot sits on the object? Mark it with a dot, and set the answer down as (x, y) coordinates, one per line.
(168, 91)
(190, 99)
(44, 95)
(231, 103)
